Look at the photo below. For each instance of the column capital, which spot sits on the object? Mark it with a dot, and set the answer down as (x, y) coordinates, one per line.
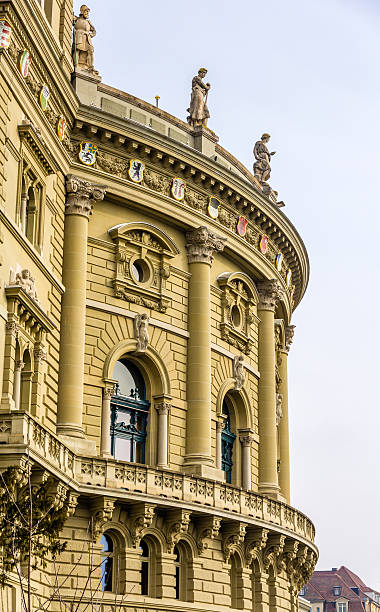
(220, 424)
(81, 195)
(163, 407)
(108, 392)
(270, 292)
(19, 365)
(39, 355)
(201, 244)
(247, 439)
(289, 334)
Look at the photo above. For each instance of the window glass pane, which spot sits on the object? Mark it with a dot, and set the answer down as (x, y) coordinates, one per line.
(124, 377)
(123, 449)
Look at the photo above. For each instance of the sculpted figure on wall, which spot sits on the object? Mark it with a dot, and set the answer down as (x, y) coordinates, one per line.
(198, 111)
(141, 332)
(238, 369)
(25, 280)
(83, 49)
(278, 408)
(261, 167)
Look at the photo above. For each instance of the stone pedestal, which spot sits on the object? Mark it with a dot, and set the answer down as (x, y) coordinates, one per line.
(205, 141)
(86, 84)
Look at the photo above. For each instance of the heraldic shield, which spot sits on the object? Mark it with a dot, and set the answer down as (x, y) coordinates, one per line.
(136, 170)
(264, 243)
(279, 260)
(5, 34)
(213, 207)
(25, 63)
(87, 153)
(178, 189)
(241, 227)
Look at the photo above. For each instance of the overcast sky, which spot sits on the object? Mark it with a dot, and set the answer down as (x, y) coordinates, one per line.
(307, 72)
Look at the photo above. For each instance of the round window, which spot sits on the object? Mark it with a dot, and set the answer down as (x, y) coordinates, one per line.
(140, 271)
(235, 316)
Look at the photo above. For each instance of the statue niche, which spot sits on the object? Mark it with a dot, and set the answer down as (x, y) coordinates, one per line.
(143, 254)
(239, 323)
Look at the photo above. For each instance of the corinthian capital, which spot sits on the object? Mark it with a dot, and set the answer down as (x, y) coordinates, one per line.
(270, 292)
(201, 244)
(289, 334)
(81, 195)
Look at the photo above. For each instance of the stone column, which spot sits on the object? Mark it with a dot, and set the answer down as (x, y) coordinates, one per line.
(270, 292)
(218, 445)
(17, 383)
(201, 244)
(10, 350)
(105, 436)
(23, 209)
(284, 476)
(246, 441)
(163, 409)
(81, 195)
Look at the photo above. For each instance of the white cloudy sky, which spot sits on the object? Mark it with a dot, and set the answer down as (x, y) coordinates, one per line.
(308, 73)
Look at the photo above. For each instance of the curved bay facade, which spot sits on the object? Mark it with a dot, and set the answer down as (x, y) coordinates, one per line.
(148, 286)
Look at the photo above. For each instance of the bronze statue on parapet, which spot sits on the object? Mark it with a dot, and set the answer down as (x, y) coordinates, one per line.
(83, 49)
(198, 111)
(261, 167)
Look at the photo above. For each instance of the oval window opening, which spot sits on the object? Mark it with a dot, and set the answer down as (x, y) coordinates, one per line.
(236, 316)
(140, 271)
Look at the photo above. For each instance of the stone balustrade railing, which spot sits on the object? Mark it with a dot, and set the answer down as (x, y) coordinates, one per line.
(22, 429)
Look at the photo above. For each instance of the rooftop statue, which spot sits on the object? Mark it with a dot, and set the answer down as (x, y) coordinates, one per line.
(261, 167)
(83, 49)
(198, 111)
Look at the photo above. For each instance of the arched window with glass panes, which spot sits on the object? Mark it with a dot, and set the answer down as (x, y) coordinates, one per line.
(129, 413)
(228, 439)
(107, 562)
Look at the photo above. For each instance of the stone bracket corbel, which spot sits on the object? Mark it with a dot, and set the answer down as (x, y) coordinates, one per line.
(140, 518)
(207, 529)
(256, 541)
(233, 536)
(101, 512)
(177, 523)
(273, 550)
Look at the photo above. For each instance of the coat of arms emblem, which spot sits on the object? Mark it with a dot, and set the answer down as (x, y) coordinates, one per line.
(25, 60)
(178, 189)
(44, 97)
(61, 127)
(5, 34)
(241, 227)
(87, 153)
(288, 278)
(213, 207)
(264, 244)
(279, 260)
(136, 170)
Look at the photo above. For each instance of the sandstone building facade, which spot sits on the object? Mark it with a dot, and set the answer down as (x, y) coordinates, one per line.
(148, 281)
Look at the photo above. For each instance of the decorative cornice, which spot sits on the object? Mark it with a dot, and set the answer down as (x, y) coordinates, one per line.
(81, 195)
(270, 292)
(201, 244)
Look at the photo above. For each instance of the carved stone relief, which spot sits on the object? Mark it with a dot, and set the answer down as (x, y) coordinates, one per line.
(238, 305)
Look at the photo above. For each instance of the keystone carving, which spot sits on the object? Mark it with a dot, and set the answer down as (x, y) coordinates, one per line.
(233, 535)
(256, 543)
(81, 195)
(177, 522)
(201, 244)
(102, 510)
(141, 323)
(289, 334)
(207, 529)
(141, 517)
(238, 372)
(270, 292)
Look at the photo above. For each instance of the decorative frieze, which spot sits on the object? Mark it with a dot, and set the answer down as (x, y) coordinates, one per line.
(81, 195)
(201, 245)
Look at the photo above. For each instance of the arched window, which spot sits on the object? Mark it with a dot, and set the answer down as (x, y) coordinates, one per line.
(177, 565)
(183, 572)
(144, 572)
(236, 582)
(228, 439)
(107, 562)
(129, 413)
